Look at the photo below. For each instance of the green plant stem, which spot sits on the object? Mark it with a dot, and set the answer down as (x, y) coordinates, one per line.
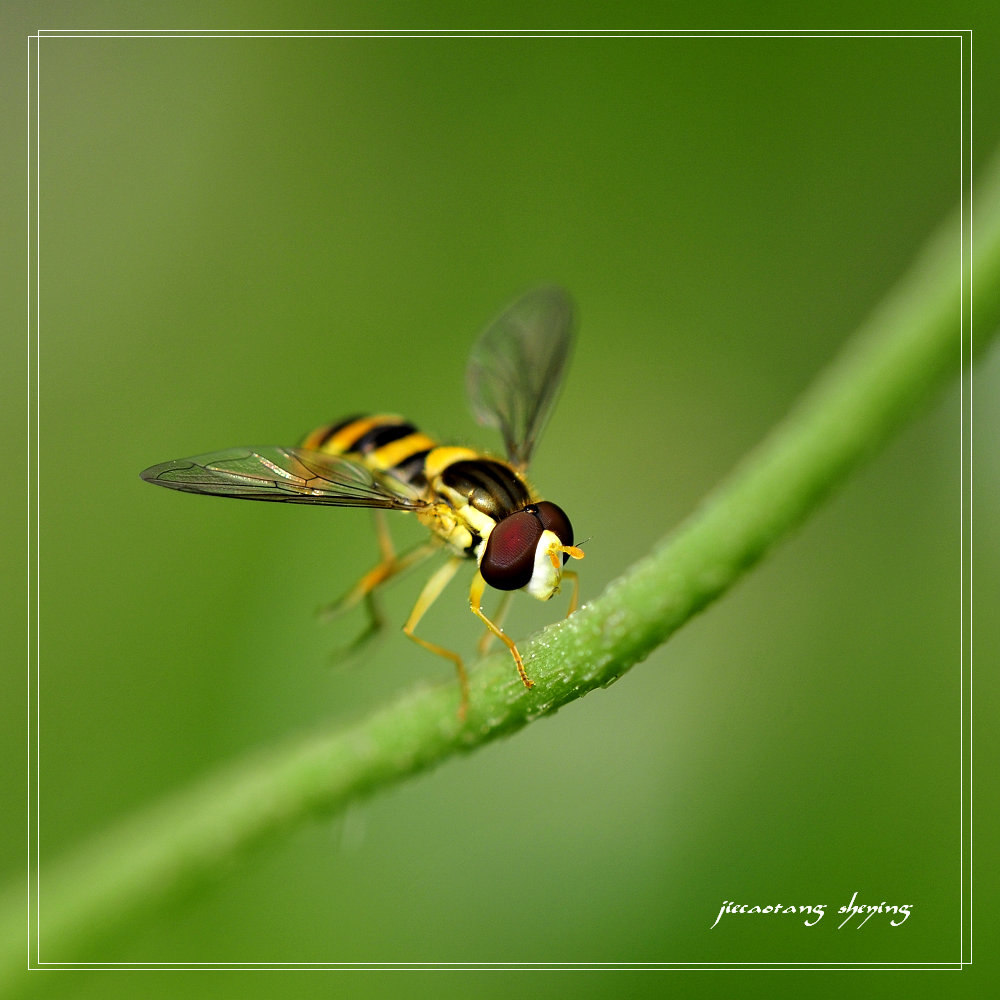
(905, 351)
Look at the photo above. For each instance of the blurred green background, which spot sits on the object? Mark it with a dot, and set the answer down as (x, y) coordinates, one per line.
(244, 238)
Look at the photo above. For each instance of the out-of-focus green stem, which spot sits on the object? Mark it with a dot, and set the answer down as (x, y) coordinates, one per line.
(908, 348)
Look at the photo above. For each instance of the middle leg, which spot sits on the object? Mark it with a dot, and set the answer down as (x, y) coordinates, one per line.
(431, 592)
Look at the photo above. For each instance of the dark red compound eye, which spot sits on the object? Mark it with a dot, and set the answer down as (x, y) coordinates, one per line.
(554, 519)
(509, 559)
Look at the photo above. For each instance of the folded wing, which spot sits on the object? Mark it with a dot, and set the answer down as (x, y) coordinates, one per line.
(283, 475)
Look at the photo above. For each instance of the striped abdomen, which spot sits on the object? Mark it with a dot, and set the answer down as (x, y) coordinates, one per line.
(386, 443)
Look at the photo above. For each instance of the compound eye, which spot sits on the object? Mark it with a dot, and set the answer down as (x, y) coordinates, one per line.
(509, 559)
(554, 519)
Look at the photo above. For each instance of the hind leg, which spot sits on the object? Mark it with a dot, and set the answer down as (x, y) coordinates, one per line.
(366, 589)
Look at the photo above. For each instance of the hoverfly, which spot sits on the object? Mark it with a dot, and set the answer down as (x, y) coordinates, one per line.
(476, 506)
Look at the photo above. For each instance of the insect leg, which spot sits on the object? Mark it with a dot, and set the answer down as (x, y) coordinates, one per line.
(365, 589)
(390, 565)
(431, 592)
(385, 545)
(374, 579)
(575, 599)
(475, 605)
(498, 617)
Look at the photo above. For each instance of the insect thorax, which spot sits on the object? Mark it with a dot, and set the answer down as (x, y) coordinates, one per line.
(475, 492)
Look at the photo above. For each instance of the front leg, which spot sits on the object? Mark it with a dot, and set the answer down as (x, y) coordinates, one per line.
(475, 605)
(498, 616)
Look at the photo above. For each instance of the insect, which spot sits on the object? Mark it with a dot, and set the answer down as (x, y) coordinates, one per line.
(476, 506)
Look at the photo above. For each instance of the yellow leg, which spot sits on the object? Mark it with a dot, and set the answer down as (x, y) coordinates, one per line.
(430, 593)
(501, 612)
(365, 589)
(574, 600)
(375, 577)
(498, 617)
(385, 545)
(475, 603)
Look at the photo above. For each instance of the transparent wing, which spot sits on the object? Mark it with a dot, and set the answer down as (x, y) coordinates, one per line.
(516, 366)
(286, 475)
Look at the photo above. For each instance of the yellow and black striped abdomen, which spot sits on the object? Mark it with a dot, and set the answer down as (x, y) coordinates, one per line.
(385, 442)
